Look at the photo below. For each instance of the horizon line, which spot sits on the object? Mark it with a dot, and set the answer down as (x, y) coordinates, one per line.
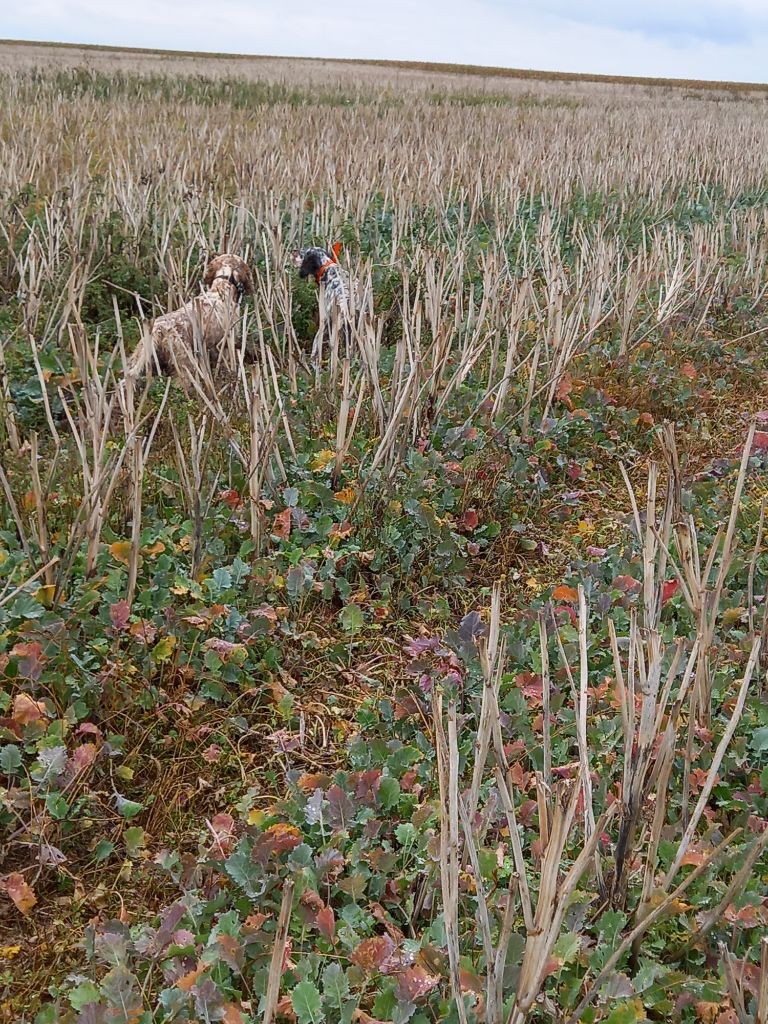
(434, 67)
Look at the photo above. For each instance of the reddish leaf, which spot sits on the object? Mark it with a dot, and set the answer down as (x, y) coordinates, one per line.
(312, 903)
(144, 631)
(469, 521)
(361, 1017)
(223, 828)
(31, 659)
(564, 387)
(232, 1014)
(82, 758)
(280, 838)
(231, 499)
(223, 649)
(187, 982)
(26, 710)
(308, 783)
(326, 923)
(760, 441)
(553, 964)
(19, 890)
(747, 916)
(119, 614)
(415, 983)
(88, 729)
(567, 610)
(264, 611)
(694, 857)
(281, 525)
(469, 982)
(626, 584)
(255, 921)
(372, 954)
(532, 687)
(330, 864)
(231, 952)
(367, 785)
(689, 370)
(669, 590)
(341, 808)
(341, 530)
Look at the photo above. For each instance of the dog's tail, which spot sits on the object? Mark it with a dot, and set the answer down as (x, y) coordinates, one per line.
(142, 359)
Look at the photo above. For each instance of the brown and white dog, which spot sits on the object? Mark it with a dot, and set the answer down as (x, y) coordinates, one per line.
(175, 341)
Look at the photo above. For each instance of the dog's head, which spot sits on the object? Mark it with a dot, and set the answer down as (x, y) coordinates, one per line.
(231, 268)
(309, 261)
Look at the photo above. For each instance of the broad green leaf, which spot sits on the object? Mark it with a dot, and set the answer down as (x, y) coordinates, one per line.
(335, 986)
(26, 607)
(57, 806)
(307, 1004)
(627, 1013)
(567, 947)
(10, 758)
(85, 993)
(351, 618)
(134, 840)
(222, 578)
(128, 808)
(389, 792)
(104, 850)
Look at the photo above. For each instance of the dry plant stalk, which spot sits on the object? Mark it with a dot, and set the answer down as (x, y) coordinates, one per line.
(558, 811)
(278, 953)
(89, 414)
(191, 459)
(702, 592)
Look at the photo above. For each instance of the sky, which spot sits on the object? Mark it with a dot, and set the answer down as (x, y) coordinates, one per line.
(708, 39)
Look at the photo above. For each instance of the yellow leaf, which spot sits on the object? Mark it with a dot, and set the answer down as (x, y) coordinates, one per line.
(154, 549)
(565, 593)
(255, 816)
(44, 595)
(164, 648)
(9, 952)
(346, 496)
(120, 551)
(323, 460)
(731, 616)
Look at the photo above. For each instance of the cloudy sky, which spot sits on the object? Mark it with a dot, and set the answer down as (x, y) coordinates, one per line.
(720, 39)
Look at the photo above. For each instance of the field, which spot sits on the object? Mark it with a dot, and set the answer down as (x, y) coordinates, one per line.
(427, 683)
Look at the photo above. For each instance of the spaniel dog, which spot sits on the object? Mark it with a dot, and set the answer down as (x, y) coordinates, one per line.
(333, 287)
(175, 340)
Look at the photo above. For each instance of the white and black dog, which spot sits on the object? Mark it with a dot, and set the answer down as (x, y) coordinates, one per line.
(333, 287)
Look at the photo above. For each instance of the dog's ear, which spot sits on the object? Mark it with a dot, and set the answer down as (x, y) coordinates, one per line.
(247, 282)
(211, 270)
(311, 263)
